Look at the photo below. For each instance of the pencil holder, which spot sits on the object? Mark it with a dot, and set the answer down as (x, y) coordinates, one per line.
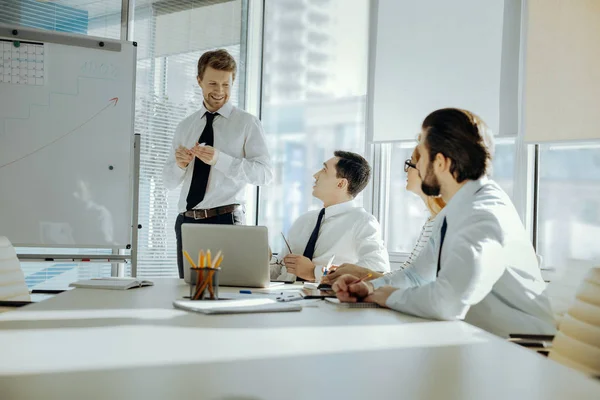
(204, 283)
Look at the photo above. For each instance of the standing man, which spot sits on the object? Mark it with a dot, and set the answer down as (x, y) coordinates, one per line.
(479, 266)
(216, 152)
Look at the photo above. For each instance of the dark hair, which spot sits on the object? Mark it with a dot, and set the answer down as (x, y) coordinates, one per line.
(462, 137)
(355, 169)
(218, 59)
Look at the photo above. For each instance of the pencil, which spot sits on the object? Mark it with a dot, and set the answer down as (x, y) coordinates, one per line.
(208, 258)
(216, 259)
(361, 279)
(186, 254)
(218, 263)
(286, 243)
(200, 258)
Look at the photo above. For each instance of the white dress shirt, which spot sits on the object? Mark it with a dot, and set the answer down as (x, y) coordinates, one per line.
(242, 157)
(489, 275)
(349, 232)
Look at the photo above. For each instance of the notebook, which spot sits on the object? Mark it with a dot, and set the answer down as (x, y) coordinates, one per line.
(111, 283)
(242, 306)
(352, 305)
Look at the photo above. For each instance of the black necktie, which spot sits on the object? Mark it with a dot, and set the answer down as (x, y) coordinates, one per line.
(309, 251)
(442, 237)
(201, 170)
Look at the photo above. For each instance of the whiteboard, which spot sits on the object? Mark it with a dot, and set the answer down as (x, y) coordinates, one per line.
(66, 144)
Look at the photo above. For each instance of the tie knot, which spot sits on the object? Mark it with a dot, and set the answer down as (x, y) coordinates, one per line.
(210, 116)
(322, 213)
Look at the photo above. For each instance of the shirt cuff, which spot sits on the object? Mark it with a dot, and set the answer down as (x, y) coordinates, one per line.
(215, 158)
(285, 276)
(179, 172)
(223, 162)
(377, 283)
(318, 273)
(395, 299)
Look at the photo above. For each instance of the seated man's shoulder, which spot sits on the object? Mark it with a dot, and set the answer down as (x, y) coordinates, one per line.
(361, 216)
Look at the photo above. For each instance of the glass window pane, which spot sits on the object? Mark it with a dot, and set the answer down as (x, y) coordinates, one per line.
(569, 206)
(314, 90)
(503, 170)
(406, 212)
(92, 18)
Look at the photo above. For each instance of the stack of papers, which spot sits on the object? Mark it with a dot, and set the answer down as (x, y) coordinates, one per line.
(111, 283)
(242, 306)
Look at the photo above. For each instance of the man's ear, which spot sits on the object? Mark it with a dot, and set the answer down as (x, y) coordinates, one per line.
(343, 183)
(199, 80)
(441, 163)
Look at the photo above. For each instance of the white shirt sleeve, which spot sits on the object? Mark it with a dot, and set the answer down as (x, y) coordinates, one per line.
(466, 276)
(255, 168)
(172, 174)
(372, 253)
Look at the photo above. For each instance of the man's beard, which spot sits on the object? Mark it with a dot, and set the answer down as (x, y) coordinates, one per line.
(430, 184)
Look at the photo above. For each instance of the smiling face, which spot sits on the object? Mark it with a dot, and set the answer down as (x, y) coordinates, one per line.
(216, 87)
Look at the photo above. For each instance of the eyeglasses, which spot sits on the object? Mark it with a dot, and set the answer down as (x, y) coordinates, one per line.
(408, 164)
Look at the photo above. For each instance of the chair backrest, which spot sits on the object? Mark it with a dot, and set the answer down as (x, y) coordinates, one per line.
(12, 280)
(577, 343)
(563, 287)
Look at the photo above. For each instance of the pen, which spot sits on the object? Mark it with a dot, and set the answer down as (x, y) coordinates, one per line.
(286, 243)
(329, 263)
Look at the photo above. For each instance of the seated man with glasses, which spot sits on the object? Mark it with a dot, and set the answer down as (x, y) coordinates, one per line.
(340, 230)
(434, 206)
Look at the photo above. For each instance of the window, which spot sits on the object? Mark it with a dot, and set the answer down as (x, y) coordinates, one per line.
(405, 213)
(172, 37)
(314, 94)
(569, 204)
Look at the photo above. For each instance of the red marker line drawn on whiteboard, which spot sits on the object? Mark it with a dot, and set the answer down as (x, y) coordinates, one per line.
(111, 103)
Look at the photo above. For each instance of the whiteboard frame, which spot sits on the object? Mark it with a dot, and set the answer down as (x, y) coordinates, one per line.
(37, 35)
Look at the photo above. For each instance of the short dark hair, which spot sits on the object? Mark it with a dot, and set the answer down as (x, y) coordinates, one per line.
(462, 137)
(218, 59)
(355, 169)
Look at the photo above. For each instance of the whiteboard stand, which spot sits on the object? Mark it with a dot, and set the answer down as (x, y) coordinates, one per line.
(137, 145)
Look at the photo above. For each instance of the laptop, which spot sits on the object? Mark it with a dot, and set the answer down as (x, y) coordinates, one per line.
(245, 252)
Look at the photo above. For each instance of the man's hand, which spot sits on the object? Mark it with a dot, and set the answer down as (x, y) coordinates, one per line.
(380, 295)
(206, 154)
(348, 269)
(183, 156)
(300, 266)
(349, 292)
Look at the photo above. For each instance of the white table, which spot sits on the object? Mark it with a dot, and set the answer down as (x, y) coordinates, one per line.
(101, 344)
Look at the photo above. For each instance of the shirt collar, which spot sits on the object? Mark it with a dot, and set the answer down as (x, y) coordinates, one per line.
(224, 111)
(337, 209)
(463, 196)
